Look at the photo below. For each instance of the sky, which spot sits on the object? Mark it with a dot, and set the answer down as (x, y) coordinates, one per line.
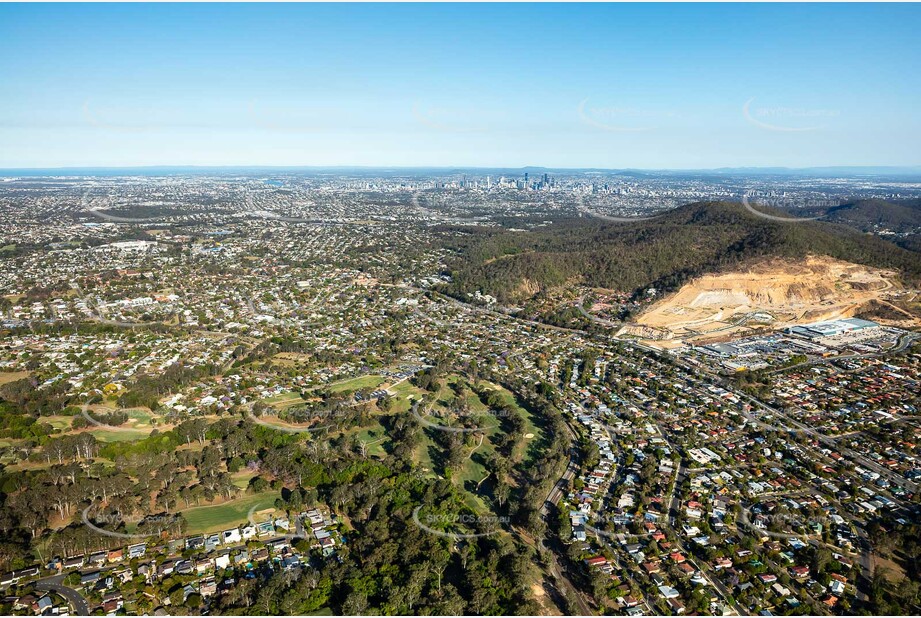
(650, 86)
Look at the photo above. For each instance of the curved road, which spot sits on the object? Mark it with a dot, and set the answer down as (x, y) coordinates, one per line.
(56, 584)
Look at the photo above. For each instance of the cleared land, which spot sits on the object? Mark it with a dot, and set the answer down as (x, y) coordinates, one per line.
(774, 293)
(12, 376)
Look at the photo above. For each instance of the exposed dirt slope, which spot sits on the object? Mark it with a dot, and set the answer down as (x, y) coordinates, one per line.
(775, 292)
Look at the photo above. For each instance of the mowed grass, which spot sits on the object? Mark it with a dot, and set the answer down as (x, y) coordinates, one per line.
(447, 395)
(290, 359)
(401, 394)
(118, 435)
(375, 437)
(423, 453)
(219, 517)
(526, 449)
(58, 421)
(138, 426)
(284, 361)
(242, 478)
(354, 384)
(139, 418)
(472, 470)
(284, 400)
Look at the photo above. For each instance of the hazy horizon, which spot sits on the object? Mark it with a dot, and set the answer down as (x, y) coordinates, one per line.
(856, 169)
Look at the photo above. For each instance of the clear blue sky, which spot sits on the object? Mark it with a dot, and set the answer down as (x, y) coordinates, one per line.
(645, 86)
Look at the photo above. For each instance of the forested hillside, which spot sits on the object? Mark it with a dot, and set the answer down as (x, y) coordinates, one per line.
(662, 252)
(875, 215)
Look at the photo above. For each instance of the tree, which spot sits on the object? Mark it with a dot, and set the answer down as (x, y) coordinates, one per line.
(821, 560)
(177, 597)
(193, 600)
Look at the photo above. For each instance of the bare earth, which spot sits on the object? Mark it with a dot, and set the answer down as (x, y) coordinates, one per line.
(770, 294)
(11, 376)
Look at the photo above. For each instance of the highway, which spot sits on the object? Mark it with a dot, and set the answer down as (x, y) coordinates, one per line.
(571, 469)
(557, 492)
